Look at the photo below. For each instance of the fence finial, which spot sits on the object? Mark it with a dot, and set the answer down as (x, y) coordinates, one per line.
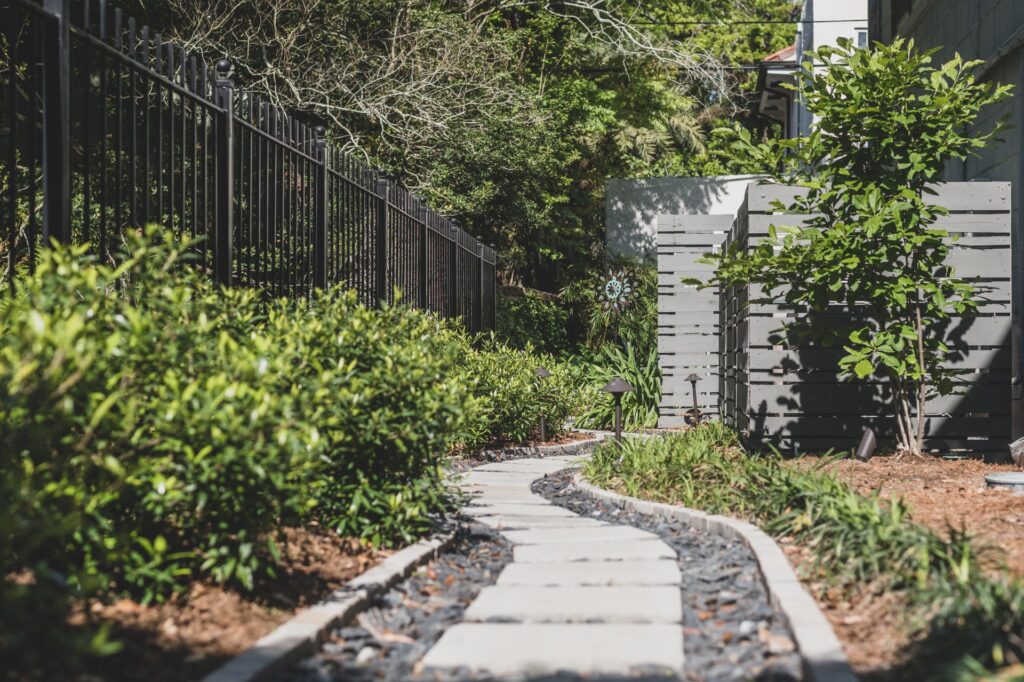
(223, 68)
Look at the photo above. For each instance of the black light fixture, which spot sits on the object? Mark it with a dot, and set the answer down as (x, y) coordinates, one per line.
(867, 445)
(617, 387)
(694, 414)
(543, 374)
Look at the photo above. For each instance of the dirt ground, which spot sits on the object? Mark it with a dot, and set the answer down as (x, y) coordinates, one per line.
(194, 633)
(939, 493)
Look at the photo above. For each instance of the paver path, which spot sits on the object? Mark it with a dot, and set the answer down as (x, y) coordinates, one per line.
(580, 595)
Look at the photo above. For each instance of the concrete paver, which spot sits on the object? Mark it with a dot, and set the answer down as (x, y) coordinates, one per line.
(581, 595)
(593, 551)
(579, 573)
(609, 604)
(516, 649)
(544, 536)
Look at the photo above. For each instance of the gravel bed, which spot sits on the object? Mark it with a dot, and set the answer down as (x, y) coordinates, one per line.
(401, 625)
(731, 631)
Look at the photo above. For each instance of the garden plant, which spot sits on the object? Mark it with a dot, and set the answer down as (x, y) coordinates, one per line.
(887, 122)
(158, 429)
(965, 614)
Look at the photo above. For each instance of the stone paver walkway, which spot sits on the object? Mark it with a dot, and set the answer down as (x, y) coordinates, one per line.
(580, 596)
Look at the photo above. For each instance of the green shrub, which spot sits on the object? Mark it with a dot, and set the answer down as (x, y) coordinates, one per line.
(857, 541)
(383, 391)
(533, 321)
(512, 397)
(640, 406)
(157, 429)
(135, 410)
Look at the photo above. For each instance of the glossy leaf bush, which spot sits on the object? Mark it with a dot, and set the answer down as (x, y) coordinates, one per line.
(533, 321)
(512, 397)
(157, 429)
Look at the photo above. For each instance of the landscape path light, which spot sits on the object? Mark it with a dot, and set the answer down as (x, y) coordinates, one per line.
(867, 445)
(617, 387)
(542, 374)
(695, 413)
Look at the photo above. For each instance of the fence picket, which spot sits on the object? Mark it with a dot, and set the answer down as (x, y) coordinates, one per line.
(142, 131)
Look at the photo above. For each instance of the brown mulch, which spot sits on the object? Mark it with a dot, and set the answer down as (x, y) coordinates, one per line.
(942, 493)
(563, 439)
(194, 633)
(939, 493)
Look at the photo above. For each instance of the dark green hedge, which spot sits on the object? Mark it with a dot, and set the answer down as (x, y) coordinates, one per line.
(156, 429)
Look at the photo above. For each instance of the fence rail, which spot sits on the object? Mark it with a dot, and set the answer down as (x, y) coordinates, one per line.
(105, 126)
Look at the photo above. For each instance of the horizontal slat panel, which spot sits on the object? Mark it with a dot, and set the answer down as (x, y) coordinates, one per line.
(675, 361)
(830, 375)
(759, 308)
(865, 399)
(697, 324)
(955, 196)
(694, 223)
(970, 263)
(766, 358)
(700, 273)
(679, 404)
(990, 449)
(678, 421)
(955, 223)
(709, 381)
(689, 299)
(978, 331)
(984, 292)
(669, 241)
(687, 343)
(684, 262)
(853, 427)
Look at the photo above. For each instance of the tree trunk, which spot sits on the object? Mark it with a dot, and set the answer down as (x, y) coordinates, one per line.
(922, 382)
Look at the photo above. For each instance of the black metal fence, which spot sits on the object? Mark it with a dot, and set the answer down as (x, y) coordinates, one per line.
(105, 126)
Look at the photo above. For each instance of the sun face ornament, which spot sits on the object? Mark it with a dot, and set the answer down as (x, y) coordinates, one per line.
(615, 291)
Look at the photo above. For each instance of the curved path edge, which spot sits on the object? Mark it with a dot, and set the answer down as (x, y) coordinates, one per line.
(301, 634)
(528, 451)
(821, 653)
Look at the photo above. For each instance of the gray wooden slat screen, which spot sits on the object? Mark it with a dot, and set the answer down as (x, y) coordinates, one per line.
(791, 396)
(688, 318)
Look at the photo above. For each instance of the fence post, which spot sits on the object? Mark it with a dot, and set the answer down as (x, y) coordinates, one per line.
(494, 287)
(320, 219)
(57, 123)
(478, 312)
(424, 280)
(453, 272)
(381, 264)
(223, 97)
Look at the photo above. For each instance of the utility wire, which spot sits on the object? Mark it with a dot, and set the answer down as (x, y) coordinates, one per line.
(752, 22)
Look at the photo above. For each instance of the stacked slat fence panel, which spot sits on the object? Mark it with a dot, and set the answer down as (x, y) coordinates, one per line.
(790, 395)
(688, 317)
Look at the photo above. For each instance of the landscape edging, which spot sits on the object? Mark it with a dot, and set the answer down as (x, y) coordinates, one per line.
(541, 451)
(301, 634)
(821, 654)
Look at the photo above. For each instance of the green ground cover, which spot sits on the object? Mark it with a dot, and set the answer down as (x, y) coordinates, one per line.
(966, 620)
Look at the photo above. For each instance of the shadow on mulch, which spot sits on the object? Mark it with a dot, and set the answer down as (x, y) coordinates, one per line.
(193, 633)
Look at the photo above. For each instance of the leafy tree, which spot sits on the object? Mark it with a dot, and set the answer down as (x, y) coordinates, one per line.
(509, 115)
(887, 123)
